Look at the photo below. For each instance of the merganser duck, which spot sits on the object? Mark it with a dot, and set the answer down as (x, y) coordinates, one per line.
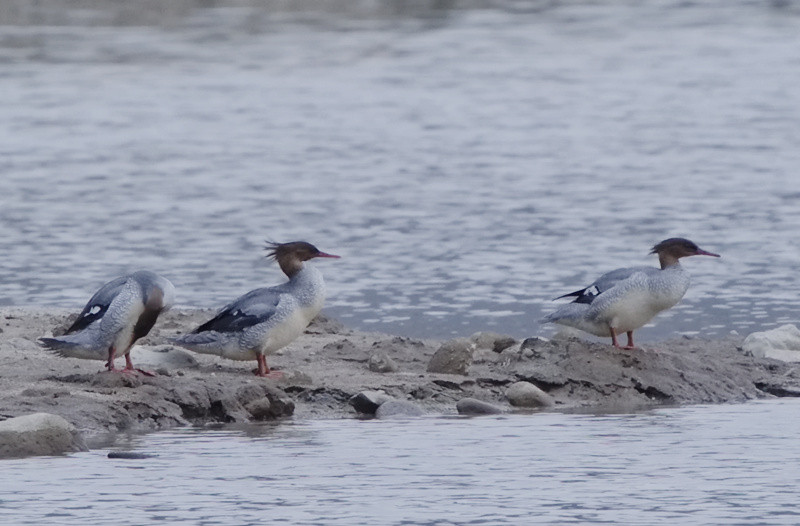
(266, 319)
(118, 314)
(627, 298)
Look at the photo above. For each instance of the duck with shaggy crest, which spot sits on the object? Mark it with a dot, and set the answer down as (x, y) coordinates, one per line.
(264, 320)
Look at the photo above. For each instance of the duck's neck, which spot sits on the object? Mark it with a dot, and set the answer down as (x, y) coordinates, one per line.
(290, 266)
(667, 261)
(308, 286)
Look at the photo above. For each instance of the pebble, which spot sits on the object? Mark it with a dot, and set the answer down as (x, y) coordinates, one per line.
(380, 362)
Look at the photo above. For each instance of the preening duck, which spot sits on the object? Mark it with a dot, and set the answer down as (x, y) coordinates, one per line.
(121, 312)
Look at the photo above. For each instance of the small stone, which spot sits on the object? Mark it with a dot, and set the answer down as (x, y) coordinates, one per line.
(129, 455)
(398, 409)
(367, 402)
(492, 341)
(380, 362)
(453, 357)
(536, 347)
(472, 406)
(525, 394)
(503, 343)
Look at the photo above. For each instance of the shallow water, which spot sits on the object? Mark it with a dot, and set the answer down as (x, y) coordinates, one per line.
(469, 164)
(700, 465)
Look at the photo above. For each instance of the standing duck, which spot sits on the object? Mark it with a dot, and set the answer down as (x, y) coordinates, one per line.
(266, 319)
(627, 298)
(118, 314)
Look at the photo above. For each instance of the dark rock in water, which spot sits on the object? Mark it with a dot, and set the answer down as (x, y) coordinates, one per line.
(398, 409)
(129, 455)
(367, 402)
(380, 362)
(525, 394)
(38, 434)
(453, 357)
(472, 406)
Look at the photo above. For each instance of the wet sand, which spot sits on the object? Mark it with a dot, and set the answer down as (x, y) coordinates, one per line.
(329, 364)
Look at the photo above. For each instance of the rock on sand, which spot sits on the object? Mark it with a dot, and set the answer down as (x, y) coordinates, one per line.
(453, 357)
(782, 343)
(38, 434)
(525, 394)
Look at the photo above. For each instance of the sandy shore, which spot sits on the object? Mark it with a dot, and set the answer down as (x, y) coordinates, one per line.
(330, 364)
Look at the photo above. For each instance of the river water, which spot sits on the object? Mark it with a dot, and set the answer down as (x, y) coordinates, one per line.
(702, 465)
(469, 164)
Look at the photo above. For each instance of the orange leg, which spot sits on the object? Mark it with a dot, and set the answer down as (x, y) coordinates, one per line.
(129, 368)
(263, 370)
(630, 341)
(614, 341)
(112, 351)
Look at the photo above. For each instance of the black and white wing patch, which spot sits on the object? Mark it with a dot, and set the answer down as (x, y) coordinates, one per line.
(586, 295)
(605, 282)
(251, 309)
(98, 304)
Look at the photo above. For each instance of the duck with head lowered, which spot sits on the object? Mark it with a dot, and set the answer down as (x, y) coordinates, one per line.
(121, 312)
(264, 320)
(626, 299)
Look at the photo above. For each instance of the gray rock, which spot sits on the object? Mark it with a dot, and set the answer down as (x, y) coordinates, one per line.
(525, 394)
(380, 362)
(398, 409)
(38, 434)
(472, 406)
(367, 402)
(260, 409)
(453, 357)
(781, 343)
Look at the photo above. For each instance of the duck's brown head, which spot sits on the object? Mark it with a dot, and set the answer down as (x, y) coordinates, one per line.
(671, 250)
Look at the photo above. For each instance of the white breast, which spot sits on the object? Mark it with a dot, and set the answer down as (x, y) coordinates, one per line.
(641, 297)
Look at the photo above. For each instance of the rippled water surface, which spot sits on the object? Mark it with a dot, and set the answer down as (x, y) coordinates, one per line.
(701, 465)
(469, 164)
